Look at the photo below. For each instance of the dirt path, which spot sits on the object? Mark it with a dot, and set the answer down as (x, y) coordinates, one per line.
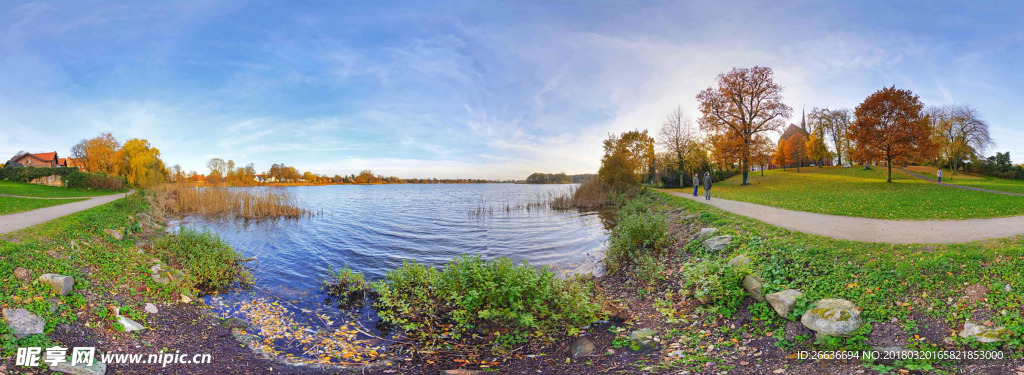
(871, 230)
(22, 220)
(926, 178)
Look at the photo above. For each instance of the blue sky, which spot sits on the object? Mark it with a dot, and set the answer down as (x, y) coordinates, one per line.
(483, 89)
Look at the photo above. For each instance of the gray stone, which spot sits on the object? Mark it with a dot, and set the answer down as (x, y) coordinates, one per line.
(151, 308)
(833, 317)
(165, 276)
(23, 322)
(706, 233)
(582, 347)
(117, 234)
(60, 283)
(643, 340)
(783, 302)
(53, 302)
(97, 368)
(129, 325)
(23, 274)
(739, 261)
(982, 333)
(752, 284)
(718, 243)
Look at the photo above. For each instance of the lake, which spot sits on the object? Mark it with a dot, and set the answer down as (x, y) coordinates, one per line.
(374, 228)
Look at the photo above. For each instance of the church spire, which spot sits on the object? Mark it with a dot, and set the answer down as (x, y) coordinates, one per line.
(803, 118)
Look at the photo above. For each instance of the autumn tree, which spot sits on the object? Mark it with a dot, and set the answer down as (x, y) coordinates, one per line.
(891, 125)
(627, 158)
(796, 150)
(218, 168)
(746, 102)
(958, 133)
(816, 149)
(832, 125)
(142, 167)
(676, 137)
(762, 151)
(99, 155)
(781, 154)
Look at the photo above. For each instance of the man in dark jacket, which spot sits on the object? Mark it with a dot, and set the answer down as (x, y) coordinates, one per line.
(707, 185)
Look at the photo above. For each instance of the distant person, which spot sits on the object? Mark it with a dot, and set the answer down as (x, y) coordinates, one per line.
(696, 183)
(707, 185)
(940, 175)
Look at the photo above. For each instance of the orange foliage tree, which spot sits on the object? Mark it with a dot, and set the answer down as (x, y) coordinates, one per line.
(99, 155)
(781, 155)
(891, 125)
(746, 102)
(796, 150)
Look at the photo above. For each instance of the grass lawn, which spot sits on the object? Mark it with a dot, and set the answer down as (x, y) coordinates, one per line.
(43, 191)
(975, 181)
(10, 205)
(864, 193)
(915, 289)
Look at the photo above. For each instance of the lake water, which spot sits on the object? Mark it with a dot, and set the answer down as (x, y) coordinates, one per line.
(374, 228)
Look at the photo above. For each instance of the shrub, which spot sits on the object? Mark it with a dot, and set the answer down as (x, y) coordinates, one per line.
(347, 286)
(492, 296)
(27, 174)
(207, 259)
(637, 232)
(93, 181)
(714, 284)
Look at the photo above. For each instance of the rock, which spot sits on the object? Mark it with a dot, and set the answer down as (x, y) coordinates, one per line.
(752, 284)
(618, 313)
(185, 298)
(165, 276)
(833, 317)
(60, 283)
(97, 368)
(582, 347)
(73, 245)
(231, 323)
(53, 302)
(984, 334)
(23, 274)
(117, 234)
(642, 340)
(23, 322)
(1007, 288)
(129, 325)
(718, 243)
(151, 308)
(739, 261)
(706, 233)
(784, 301)
(975, 293)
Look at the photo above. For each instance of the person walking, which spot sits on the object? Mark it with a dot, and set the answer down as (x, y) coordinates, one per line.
(707, 185)
(696, 183)
(940, 175)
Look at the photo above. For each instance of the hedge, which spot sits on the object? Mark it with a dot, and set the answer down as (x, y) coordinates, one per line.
(93, 181)
(26, 174)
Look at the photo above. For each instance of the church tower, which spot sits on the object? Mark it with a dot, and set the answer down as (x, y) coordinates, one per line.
(803, 119)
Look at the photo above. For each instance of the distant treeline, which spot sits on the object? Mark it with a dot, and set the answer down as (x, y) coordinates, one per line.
(557, 178)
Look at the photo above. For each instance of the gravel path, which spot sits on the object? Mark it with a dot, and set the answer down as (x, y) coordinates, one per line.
(870, 230)
(926, 178)
(22, 220)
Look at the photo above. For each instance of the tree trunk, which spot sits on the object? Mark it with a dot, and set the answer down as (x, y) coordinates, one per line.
(889, 162)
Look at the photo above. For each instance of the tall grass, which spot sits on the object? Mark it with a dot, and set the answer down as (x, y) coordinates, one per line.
(588, 196)
(222, 202)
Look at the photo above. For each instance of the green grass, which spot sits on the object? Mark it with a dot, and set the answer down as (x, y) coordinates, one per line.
(911, 283)
(975, 181)
(42, 191)
(864, 193)
(11, 205)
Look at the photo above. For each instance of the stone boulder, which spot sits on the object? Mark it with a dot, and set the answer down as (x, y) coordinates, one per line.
(151, 308)
(718, 243)
(23, 322)
(129, 325)
(23, 274)
(582, 347)
(706, 233)
(752, 284)
(97, 368)
(833, 317)
(643, 340)
(739, 261)
(60, 283)
(783, 302)
(165, 276)
(983, 333)
(116, 233)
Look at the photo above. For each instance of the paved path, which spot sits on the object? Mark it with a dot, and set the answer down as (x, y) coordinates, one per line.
(870, 230)
(926, 178)
(22, 220)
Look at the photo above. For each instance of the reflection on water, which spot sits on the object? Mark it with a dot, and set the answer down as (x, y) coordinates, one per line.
(375, 228)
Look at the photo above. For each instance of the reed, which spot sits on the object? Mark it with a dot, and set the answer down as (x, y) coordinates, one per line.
(222, 202)
(588, 196)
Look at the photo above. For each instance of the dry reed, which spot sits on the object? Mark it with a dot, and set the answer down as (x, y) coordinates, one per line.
(221, 202)
(588, 196)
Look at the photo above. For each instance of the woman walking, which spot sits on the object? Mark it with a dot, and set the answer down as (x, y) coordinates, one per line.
(707, 185)
(696, 183)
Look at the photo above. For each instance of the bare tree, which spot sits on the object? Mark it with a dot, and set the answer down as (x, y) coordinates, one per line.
(959, 132)
(832, 124)
(676, 136)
